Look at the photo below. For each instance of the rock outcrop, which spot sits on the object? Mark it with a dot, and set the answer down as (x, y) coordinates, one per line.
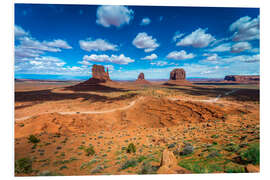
(141, 80)
(141, 76)
(242, 78)
(98, 72)
(169, 164)
(178, 74)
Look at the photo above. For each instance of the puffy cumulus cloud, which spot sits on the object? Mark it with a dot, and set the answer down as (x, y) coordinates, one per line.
(198, 39)
(143, 41)
(19, 31)
(177, 35)
(180, 55)
(145, 21)
(221, 48)
(59, 43)
(150, 57)
(159, 63)
(110, 67)
(113, 15)
(243, 58)
(245, 29)
(121, 59)
(97, 45)
(211, 57)
(85, 63)
(240, 47)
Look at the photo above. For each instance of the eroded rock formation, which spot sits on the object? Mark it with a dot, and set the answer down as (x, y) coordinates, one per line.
(141, 76)
(98, 72)
(242, 78)
(178, 74)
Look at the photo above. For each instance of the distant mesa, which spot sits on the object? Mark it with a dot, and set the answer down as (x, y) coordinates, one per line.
(177, 77)
(98, 72)
(178, 74)
(141, 76)
(141, 80)
(242, 78)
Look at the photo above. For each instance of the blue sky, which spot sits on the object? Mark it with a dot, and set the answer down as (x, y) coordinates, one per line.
(64, 41)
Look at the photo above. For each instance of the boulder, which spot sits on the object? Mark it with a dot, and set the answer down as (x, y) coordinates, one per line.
(169, 164)
(178, 74)
(252, 169)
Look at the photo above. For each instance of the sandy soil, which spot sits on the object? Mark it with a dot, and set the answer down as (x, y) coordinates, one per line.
(153, 117)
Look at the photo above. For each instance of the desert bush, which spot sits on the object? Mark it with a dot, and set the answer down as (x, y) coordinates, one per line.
(90, 151)
(252, 154)
(49, 173)
(147, 168)
(129, 163)
(33, 139)
(131, 148)
(141, 158)
(23, 165)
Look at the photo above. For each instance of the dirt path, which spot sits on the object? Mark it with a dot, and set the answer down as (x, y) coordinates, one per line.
(86, 112)
(213, 100)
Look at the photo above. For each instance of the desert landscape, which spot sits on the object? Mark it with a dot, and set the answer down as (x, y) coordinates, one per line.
(102, 127)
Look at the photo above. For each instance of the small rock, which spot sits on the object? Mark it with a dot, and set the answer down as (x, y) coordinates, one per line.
(252, 169)
(188, 149)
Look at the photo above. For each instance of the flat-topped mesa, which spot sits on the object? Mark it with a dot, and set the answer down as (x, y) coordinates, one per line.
(98, 72)
(243, 78)
(141, 76)
(178, 74)
(141, 80)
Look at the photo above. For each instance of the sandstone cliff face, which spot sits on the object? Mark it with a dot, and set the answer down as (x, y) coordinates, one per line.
(242, 78)
(178, 74)
(141, 76)
(98, 72)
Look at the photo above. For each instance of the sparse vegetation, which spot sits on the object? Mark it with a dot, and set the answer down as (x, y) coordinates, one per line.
(131, 148)
(33, 139)
(23, 165)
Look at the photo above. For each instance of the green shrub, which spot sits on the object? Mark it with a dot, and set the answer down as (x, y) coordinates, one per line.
(141, 158)
(23, 165)
(33, 139)
(252, 154)
(147, 168)
(129, 163)
(90, 151)
(131, 148)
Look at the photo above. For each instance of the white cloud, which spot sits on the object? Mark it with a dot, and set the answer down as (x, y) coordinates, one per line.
(159, 63)
(198, 39)
(85, 63)
(240, 47)
(245, 29)
(221, 48)
(113, 15)
(59, 44)
(97, 45)
(143, 41)
(180, 55)
(19, 31)
(121, 59)
(110, 67)
(211, 57)
(177, 35)
(243, 58)
(150, 57)
(145, 21)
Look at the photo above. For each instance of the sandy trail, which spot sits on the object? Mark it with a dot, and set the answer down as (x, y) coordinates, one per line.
(85, 112)
(213, 100)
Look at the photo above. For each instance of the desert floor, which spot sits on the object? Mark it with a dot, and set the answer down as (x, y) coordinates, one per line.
(210, 128)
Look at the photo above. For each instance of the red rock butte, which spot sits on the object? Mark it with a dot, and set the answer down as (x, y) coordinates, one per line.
(178, 74)
(242, 78)
(141, 80)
